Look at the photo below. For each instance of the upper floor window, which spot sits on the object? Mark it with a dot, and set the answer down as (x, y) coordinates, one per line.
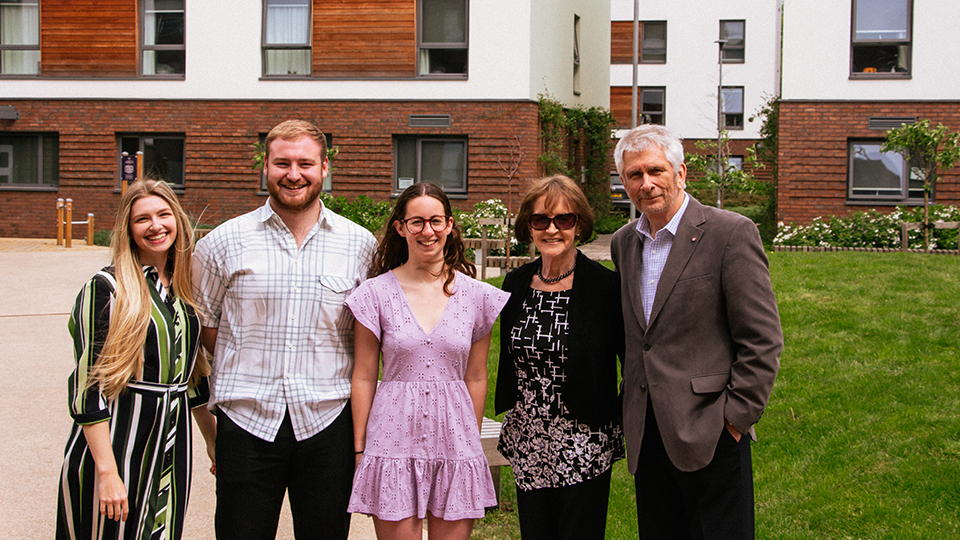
(29, 161)
(875, 175)
(440, 161)
(653, 42)
(442, 39)
(163, 156)
(576, 55)
(653, 101)
(733, 33)
(163, 51)
(19, 37)
(286, 37)
(732, 107)
(881, 40)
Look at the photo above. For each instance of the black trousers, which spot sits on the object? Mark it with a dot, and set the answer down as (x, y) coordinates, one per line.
(577, 512)
(253, 475)
(715, 502)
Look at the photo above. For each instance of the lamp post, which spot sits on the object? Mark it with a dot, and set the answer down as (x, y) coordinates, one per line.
(721, 166)
(634, 87)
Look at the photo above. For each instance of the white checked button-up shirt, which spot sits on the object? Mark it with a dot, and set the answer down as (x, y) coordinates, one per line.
(655, 253)
(285, 339)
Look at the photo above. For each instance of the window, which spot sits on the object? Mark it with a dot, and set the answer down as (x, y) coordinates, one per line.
(876, 175)
(735, 163)
(733, 49)
(327, 181)
(286, 37)
(29, 161)
(732, 107)
(19, 37)
(443, 37)
(163, 156)
(652, 105)
(576, 55)
(653, 42)
(881, 39)
(163, 51)
(440, 161)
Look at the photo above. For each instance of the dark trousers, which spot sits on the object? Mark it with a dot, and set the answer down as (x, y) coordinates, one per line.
(577, 512)
(715, 502)
(253, 475)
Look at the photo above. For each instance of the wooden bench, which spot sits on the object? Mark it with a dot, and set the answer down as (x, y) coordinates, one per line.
(489, 435)
(485, 244)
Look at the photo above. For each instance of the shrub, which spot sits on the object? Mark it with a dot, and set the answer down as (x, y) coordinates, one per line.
(363, 210)
(870, 229)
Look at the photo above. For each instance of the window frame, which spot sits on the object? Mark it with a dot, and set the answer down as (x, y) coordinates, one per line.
(640, 101)
(865, 43)
(7, 48)
(423, 46)
(418, 176)
(266, 48)
(144, 47)
(40, 158)
(906, 176)
(742, 47)
(178, 187)
(726, 124)
(643, 33)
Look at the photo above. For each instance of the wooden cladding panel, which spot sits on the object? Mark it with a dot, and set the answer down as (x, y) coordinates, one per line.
(621, 104)
(621, 43)
(365, 38)
(79, 38)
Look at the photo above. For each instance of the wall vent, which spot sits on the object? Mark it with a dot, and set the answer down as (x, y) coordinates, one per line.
(430, 120)
(884, 123)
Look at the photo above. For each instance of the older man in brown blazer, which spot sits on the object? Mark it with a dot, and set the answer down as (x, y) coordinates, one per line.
(703, 346)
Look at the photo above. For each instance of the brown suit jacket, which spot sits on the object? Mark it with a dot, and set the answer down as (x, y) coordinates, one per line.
(712, 347)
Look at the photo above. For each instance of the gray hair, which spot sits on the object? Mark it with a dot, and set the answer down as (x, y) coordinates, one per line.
(643, 137)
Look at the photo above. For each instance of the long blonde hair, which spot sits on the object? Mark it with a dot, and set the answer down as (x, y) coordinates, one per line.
(121, 359)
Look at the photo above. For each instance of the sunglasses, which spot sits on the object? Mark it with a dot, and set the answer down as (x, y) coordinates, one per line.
(540, 222)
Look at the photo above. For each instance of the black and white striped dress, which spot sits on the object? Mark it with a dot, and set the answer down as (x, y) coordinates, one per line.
(150, 425)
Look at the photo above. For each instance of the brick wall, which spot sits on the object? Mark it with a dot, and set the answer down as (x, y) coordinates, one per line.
(219, 148)
(813, 154)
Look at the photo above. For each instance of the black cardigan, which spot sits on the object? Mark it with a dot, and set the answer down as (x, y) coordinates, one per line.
(594, 341)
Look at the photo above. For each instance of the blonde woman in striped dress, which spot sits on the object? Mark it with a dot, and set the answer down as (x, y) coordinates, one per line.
(126, 469)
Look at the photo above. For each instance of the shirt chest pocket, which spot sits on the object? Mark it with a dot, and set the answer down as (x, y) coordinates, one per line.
(333, 290)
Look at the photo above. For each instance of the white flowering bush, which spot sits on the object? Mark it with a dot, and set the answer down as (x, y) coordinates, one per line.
(870, 229)
(490, 208)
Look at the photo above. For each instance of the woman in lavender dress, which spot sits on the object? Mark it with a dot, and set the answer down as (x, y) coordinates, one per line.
(417, 435)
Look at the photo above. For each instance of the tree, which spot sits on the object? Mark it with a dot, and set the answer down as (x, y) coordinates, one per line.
(716, 173)
(929, 151)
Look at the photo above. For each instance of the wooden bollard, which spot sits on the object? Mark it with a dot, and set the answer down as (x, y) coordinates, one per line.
(89, 229)
(60, 222)
(69, 223)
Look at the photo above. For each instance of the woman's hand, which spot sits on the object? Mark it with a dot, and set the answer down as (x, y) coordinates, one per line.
(113, 496)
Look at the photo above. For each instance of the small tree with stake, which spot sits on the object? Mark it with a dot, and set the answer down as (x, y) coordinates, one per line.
(929, 151)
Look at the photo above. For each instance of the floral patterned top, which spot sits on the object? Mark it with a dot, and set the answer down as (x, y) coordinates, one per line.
(544, 444)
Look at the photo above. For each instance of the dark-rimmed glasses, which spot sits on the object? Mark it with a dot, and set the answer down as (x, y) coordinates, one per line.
(415, 224)
(541, 222)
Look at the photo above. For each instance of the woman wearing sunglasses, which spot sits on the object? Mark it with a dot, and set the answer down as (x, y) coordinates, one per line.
(561, 333)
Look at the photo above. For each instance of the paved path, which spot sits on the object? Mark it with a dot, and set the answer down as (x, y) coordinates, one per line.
(38, 284)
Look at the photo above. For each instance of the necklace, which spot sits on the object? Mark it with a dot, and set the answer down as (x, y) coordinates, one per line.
(556, 279)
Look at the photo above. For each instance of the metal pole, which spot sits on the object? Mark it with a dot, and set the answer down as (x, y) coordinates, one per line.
(634, 90)
(721, 166)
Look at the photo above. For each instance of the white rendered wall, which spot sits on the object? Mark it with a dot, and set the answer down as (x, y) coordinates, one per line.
(551, 44)
(691, 74)
(223, 62)
(816, 54)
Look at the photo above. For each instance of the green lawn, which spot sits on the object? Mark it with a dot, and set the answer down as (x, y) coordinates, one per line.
(861, 439)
